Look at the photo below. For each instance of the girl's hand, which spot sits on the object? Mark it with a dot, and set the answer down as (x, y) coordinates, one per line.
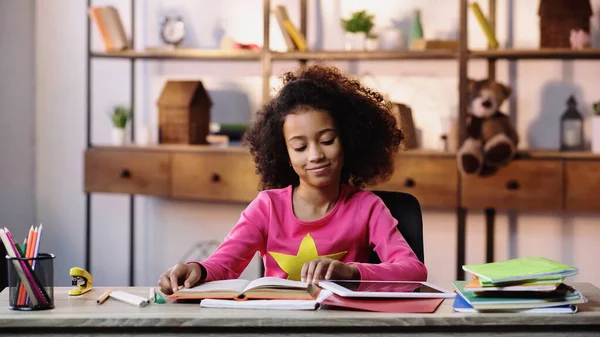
(326, 269)
(180, 274)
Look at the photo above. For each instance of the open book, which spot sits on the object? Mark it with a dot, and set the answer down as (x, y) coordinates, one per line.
(261, 288)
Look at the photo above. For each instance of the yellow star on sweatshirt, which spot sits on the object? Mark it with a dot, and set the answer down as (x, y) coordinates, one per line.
(292, 264)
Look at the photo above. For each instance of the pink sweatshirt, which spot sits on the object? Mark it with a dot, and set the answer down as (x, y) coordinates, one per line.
(358, 224)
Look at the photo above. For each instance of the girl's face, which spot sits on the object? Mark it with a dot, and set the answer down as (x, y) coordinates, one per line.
(314, 147)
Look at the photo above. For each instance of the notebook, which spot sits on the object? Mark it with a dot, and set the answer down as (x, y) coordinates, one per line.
(527, 268)
(404, 305)
(461, 305)
(240, 289)
(533, 285)
(480, 302)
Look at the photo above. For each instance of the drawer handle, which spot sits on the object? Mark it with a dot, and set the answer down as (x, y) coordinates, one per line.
(512, 185)
(215, 178)
(125, 174)
(409, 182)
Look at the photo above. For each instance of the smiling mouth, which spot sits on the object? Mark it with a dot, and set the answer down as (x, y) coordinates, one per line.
(317, 169)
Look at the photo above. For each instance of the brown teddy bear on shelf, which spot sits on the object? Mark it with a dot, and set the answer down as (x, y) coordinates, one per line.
(491, 139)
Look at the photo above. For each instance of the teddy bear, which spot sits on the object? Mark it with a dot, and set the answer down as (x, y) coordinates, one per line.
(491, 139)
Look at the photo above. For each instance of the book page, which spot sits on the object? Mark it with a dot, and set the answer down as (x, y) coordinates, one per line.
(275, 282)
(236, 285)
(261, 304)
(268, 304)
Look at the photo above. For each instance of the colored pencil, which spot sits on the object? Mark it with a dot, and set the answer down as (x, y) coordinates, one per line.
(103, 297)
(39, 291)
(18, 265)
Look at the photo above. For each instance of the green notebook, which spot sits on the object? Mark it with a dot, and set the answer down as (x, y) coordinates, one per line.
(526, 268)
(539, 280)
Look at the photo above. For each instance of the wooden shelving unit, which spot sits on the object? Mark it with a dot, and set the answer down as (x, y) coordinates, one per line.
(227, 174)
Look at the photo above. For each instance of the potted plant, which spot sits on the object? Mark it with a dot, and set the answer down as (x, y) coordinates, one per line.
(357, 28)
(595, 139)
(372, 42)
(119, 117)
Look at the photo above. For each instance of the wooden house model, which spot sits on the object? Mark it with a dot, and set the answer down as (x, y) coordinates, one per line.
(183, 113)
(558, 17)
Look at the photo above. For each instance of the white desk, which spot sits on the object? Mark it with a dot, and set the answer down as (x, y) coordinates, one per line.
(82, 316)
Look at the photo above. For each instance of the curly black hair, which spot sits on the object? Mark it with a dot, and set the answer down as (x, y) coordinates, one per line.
(368, 131)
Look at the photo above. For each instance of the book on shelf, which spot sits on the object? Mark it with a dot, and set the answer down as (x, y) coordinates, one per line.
(108, 24)
(281, 16)
(294, 39)
(264, 288)
(484, 24)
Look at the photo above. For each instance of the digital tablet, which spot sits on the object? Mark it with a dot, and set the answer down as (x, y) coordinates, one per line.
(389, 289)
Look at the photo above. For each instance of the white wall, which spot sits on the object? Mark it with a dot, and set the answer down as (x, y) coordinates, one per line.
(167, 228)
(17, 111)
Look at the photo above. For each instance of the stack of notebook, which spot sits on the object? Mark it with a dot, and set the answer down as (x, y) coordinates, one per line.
(533, 285)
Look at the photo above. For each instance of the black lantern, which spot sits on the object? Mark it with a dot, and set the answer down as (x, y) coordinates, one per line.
(571, 128)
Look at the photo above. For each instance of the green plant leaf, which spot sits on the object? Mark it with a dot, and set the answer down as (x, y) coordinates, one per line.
(360, 21)
(120, 116)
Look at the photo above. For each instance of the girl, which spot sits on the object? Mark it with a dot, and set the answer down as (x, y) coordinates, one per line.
(315, 145)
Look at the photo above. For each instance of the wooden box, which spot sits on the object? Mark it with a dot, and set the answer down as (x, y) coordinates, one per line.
(558, 17)
(183, 113)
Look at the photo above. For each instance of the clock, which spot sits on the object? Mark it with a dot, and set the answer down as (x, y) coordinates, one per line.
(172, 30)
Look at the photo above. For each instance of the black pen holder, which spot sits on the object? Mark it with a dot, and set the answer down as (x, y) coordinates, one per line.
(31, 282)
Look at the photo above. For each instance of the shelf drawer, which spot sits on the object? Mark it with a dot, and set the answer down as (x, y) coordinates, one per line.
(433, 181)
(214, 176)
(130, 172)
(522, 185)
(582, 185)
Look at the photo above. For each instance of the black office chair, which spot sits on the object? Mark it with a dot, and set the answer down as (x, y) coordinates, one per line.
(3, 268)
(407, 210)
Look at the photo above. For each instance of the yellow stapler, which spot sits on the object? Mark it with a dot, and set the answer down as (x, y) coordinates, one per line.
(82, 279)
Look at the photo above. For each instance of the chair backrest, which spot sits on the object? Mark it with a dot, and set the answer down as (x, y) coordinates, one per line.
(3, 268)
(405, 208)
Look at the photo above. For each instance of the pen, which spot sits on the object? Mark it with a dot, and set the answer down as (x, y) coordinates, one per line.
(104, 296)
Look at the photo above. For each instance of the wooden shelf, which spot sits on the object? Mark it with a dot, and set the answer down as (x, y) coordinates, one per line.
(540, 154)
(365, 55)
(558, 53)
(182, 54)
(239, 149)
(522, 154)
